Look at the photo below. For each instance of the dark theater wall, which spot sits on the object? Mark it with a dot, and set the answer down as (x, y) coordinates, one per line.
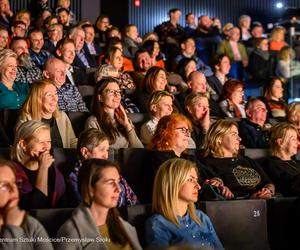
(153, 12)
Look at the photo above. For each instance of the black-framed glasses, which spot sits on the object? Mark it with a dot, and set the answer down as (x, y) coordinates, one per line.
(184, 130)
(114, 92)
(6, 186)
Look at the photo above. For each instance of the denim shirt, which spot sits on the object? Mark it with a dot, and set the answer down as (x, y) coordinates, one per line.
(162, 232)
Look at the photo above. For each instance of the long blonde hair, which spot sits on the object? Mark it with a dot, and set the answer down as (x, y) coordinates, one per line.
(169, 178)
(212, 145)
(33, 104)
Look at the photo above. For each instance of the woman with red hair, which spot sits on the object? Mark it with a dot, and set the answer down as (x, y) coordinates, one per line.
(171, 140)
(233, 99)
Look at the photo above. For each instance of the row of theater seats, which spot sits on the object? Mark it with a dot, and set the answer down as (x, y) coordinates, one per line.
(9, 117)
(240, 224)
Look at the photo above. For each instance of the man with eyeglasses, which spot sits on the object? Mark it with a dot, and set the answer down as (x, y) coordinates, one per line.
(69, 98)
(253, 130)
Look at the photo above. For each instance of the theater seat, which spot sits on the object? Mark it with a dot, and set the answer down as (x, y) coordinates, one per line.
(65, 159)
(258, 154)
(131, 162)
(52, 219)
(283, 218)
(87, 92)
(137, 216)
(8, 118)
(240, 224)
(78, 120)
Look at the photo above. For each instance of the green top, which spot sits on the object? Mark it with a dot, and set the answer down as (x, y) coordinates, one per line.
(13, 99)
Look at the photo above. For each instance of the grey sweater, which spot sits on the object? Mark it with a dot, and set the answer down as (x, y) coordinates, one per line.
(31, 231)
(82, 226)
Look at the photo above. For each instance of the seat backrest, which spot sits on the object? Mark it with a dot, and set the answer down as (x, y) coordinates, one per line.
(87, 92)
(78, 120)
(52, 219)
(283, 218)
(240, 224)
(65, 159)
(131, 162)
(5, 153)
(137, 216)
(258, 154)
(8, 118)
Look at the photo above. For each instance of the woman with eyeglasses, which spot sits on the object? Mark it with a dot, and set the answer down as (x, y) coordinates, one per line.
(243, 176)
(233, 104)
(43, 185)
(97, 218)
(42, 105)
(14, 222)
(175, 220)
(171, 139)
(282, 167)
(109, 116)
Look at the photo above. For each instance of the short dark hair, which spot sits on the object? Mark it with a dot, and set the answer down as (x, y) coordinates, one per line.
(63, 9)
(173, 11)
(15, 39)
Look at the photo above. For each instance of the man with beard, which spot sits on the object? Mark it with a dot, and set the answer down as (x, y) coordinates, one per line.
(27, 71)
(207, 37)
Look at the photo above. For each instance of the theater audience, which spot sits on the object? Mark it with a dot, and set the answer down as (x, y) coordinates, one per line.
(93, 47)
(55, 34)
(69, 98)
(160, 104)
(287, 66)
(176, 220)
(253, 130)
(27, 71)
(197, 107)
(273, 92)
(12, 93)
(293, 116)
(244, 25)
(97, 216)
(110, 117)
(277, 38)
(65, 50)
(16, 223)
(157, 57)
(3, 38)
(38, 55)
(131, 40)
(233, 104)
(83, 58)
(242, 175)
(94, 144)
(282, 167)
(5, 13)
(221, 66)
(188, 50)
(155, 79)
(42, 105)
(42, 185)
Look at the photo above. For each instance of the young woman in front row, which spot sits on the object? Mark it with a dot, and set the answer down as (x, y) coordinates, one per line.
(97, 218)
(175, 220)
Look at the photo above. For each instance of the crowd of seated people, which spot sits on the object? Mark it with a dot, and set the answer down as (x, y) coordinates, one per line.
(189, 86)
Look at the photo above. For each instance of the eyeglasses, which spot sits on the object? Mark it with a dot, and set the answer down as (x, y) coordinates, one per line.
(6, 186)
(184, 130)
(114, 92)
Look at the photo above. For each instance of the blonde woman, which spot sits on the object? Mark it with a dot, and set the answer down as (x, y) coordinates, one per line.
(293, 117)
(175, 220)
(242, 175)
(160, 104)
(12, 93)
(42, 105)
(42, 184)
(281, 167)
(277, 38)
(287, 67)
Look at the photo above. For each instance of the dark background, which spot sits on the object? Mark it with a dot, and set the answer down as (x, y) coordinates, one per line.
(152, 12)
